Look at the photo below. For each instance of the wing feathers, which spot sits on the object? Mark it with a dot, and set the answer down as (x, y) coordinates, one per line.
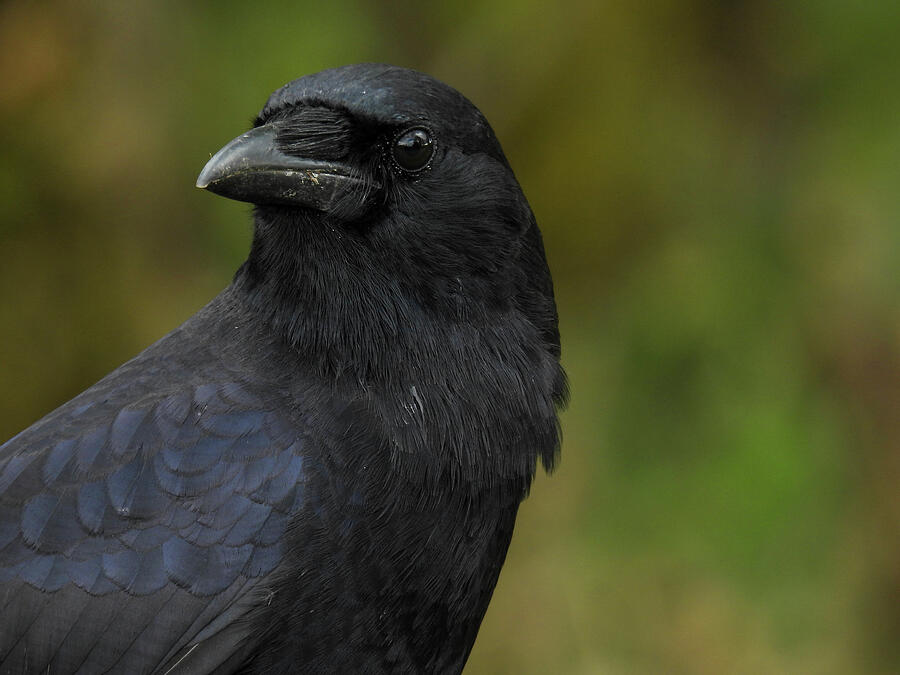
(140, 519)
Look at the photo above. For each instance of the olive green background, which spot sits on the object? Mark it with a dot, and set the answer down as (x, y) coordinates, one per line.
(717, 183)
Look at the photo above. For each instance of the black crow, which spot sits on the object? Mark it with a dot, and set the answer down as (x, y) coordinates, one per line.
(320, 470)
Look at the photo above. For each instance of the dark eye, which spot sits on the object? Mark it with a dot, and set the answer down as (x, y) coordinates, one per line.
(413, 149)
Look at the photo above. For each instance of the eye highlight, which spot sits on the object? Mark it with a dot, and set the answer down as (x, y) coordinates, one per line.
(413, 149)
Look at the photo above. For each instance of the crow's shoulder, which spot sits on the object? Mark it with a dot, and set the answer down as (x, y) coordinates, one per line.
(145, 507)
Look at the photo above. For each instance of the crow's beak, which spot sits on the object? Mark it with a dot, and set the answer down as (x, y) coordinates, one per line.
(252, 169)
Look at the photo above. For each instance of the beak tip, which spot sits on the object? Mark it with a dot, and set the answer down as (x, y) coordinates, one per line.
(207, 175)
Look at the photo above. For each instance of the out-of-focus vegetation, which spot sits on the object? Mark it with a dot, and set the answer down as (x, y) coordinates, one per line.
(719, 188)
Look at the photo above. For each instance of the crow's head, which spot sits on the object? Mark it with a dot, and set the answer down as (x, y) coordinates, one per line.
(383, 195)
(351, 141)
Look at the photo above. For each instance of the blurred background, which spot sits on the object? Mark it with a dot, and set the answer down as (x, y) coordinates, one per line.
(717, 183)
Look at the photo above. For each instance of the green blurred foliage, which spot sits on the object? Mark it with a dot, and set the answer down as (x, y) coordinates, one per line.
(718, 187)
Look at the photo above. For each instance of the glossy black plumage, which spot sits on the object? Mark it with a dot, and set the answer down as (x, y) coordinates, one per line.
(320, 471)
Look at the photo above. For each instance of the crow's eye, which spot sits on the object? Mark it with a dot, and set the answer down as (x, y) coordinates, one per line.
(413, 149)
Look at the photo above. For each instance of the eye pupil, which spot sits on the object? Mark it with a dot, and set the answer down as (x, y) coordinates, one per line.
(413, 149)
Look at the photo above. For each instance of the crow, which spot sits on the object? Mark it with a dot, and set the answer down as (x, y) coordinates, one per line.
(320, 470)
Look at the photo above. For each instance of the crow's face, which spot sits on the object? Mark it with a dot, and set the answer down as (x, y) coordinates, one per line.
(380, 185)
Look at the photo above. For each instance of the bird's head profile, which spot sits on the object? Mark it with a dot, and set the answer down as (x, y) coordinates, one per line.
(385, 207)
